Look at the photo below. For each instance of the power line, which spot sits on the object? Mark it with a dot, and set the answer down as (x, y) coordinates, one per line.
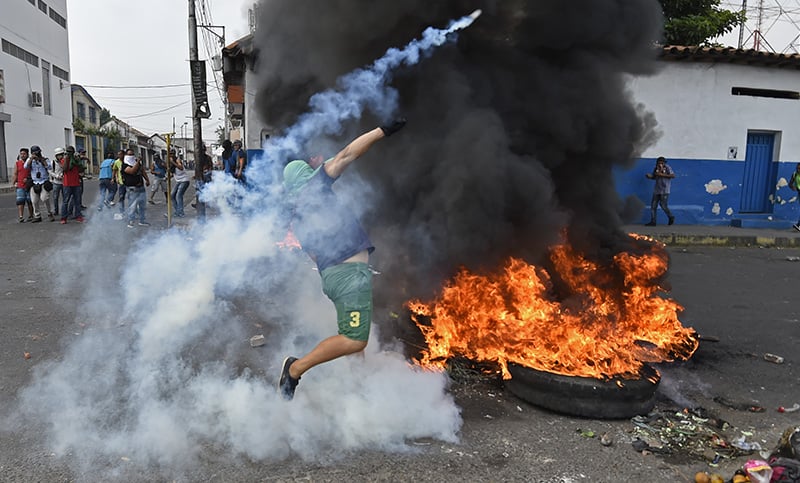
(163, 86)
(159, 111)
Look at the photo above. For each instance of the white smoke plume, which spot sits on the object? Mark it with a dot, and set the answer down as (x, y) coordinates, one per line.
(157, 372)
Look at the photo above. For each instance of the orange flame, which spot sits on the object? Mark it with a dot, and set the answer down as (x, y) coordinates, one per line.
(611, 323)
(289, 241)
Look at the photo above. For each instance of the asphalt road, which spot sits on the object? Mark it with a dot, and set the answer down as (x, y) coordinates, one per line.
(747, 298)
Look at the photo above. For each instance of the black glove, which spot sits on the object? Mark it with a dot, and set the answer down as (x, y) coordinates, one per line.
(394, 126)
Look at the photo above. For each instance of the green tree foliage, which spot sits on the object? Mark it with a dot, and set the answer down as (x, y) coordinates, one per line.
(695, 22)
(105, 116)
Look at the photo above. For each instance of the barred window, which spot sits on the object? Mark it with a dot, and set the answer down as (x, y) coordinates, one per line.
(60, 73)
(58, 18)
(20, 53)
(42, 6)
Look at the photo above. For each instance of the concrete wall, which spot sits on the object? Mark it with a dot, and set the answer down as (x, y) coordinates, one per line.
(700, 121)
(27, 27)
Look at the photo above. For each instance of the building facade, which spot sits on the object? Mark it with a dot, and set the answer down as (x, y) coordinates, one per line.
(728, 122)
(35, 95)
(86, 125)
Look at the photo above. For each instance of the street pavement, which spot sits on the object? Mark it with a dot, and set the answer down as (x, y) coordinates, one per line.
(738, 288)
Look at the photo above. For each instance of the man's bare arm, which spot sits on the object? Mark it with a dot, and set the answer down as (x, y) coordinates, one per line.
(359, 146)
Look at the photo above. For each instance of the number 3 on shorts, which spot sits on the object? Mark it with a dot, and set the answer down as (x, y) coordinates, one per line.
(355, 319)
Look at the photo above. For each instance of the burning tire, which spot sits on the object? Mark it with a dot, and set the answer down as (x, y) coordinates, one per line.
(584, 396)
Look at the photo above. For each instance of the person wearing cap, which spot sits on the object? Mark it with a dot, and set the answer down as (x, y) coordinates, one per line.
(40, 190)
(332, 236)
(21, 176)
(57, 178)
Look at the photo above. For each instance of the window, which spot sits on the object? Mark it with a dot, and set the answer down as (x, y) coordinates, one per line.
(32, 2)
(42, 6)
(60, 73)
(20, 53)
(48, 109)
(81, 110)
(92, 115)
(58, 18)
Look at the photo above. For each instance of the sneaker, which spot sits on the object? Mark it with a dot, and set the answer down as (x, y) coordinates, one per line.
(151, 202)
(51, 217)
(100, 208)
(30, 218)
(144, 223)
(112, 203)
(21, 219)
(79, 219)
(107, 203)
(287, 384)
(796, 226)
(63, 221)
(130, 224)
(671, 220)
(652, 223)
(37, 220)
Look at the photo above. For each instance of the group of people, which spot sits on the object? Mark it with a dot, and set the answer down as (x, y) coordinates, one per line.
(38, 180)
(126, 178)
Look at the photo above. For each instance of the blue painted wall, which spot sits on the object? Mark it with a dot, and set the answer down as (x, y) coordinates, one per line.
(689, 199)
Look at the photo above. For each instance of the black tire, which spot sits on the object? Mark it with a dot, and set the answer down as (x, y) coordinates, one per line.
(585, 396)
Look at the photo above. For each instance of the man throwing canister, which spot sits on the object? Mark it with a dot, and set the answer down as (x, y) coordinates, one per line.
(333, 237)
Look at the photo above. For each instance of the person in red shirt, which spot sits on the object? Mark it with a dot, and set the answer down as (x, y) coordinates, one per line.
(71, 205)
(20, 177)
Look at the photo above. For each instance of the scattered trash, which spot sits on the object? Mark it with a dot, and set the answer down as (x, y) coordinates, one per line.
(605, 439)
(773, 358)
(257, 341)
(792, 409)
(586, 433)
(26, 355)
(742, 444)
(793, 259)
(759, 471)
(739, 406)
(707, 338)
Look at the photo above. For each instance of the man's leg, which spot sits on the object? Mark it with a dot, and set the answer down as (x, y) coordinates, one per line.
(329, 349)
(653, 206)
(664, 202)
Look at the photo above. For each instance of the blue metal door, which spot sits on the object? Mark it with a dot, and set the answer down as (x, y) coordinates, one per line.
(758, 173)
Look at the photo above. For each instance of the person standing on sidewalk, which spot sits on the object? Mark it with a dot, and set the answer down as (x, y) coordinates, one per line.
(662, 174)
(40, 191)
(135, 178)
(21, 176)
(794, 185)
(159, 171)
(57, 178)
(333, 238)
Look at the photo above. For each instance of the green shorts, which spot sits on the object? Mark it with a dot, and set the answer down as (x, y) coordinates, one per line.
(349, 286)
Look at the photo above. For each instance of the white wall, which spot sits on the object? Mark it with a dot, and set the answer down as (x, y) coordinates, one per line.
(253, 123)
(700, 119)
(28, 27)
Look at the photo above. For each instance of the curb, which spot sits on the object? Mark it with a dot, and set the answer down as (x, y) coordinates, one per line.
(727, 241)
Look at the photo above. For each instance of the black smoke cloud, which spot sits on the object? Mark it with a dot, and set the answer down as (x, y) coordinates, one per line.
(513, 132)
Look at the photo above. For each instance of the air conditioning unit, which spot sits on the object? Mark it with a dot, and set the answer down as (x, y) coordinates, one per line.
(36, 99)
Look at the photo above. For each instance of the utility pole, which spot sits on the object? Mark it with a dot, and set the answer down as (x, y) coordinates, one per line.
(741, 27)
(198, 129)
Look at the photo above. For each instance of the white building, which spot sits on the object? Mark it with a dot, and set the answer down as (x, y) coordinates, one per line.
(35, 95)
(729, 128)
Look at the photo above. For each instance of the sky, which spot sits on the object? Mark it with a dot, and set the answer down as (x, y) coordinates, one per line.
(146, 43)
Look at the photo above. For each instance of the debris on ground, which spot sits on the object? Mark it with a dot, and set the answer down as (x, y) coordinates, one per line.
(691, 432)
(257, 341)
(773, 358)
(791, 409)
